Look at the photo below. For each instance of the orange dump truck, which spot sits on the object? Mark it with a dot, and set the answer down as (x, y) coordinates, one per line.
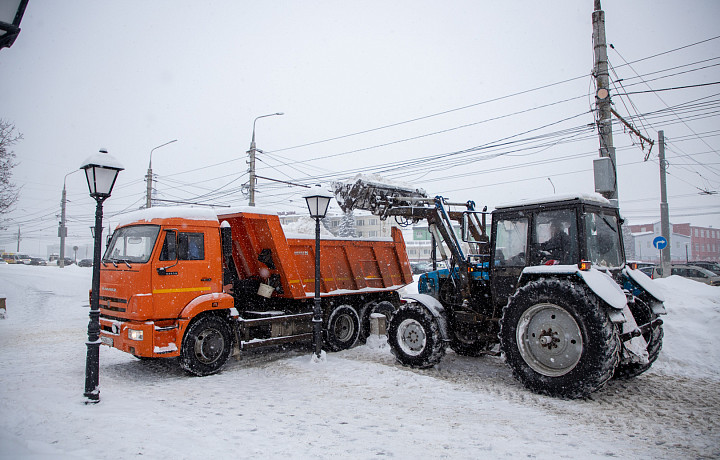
(188, 283)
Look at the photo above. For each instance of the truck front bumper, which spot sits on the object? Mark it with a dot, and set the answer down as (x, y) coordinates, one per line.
(146, 339)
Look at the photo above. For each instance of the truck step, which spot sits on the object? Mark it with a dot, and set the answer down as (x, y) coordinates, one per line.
(255, 343)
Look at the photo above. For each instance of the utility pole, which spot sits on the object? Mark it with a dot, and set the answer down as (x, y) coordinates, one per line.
(664, 211)
(605, 166)
(18, 243)
(62, 230)
(149, 177)
(253, 150)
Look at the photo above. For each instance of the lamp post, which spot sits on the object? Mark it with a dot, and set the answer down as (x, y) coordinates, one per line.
(148, 198)
(252, 152)
(11, 13)
(101, 171)
(318, 201)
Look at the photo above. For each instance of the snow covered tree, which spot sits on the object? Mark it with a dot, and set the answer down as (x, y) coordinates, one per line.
(8, 192)
(347, 224)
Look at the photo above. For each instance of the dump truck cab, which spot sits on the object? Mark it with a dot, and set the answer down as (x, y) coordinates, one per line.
(157, 273)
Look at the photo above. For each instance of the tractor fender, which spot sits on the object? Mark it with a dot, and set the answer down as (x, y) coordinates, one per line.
(598, 281)
(435, 308)
(637, 280)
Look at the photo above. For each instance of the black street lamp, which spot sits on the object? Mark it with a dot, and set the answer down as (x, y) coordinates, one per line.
(11, 13)
(318, 201)
(101, 171)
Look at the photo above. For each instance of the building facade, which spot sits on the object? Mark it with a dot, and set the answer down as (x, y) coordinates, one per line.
(687, 242)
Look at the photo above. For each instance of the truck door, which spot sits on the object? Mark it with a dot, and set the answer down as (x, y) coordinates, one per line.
(180, 272)
(509, 256)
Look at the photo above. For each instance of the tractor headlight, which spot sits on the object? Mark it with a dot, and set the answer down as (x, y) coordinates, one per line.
(135, 335)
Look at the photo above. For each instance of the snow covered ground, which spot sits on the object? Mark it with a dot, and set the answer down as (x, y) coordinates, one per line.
(357, 404)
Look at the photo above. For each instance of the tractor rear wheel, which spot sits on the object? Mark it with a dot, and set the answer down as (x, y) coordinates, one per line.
(558, 340)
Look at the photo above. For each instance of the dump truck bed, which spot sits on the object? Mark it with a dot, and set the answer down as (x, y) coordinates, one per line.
(262, 251)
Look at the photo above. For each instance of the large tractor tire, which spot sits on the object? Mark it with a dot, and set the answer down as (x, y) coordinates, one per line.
(343, 328)
(643, 314)
(206, 346)
(414, 337)
(558, 340)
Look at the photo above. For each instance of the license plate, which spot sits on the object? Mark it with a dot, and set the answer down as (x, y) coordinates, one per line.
(107, 340)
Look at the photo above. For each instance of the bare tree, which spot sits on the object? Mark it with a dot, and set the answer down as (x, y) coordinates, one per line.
(9, 193)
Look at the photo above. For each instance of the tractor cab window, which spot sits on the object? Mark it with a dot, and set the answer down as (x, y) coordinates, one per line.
(603, 239)
(187, 246)
(511, 242)
(132, 244)
(555, 238)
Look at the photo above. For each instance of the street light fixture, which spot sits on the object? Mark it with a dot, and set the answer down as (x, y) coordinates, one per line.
(148, 199)
(101, 171)
(318, 201)
(252, 152)
(11, 13)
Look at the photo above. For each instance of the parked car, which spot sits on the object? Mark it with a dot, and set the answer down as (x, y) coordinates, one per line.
(68, 261)
(38, 261)
(85, 263)
(647, 270)
(712, 266)
(419, 268)
(692, 272)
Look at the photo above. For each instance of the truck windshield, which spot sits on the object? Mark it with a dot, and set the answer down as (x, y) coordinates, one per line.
(603, 239)
(132, 244)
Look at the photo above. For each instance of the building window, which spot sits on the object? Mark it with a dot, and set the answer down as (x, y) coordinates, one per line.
(360, 222)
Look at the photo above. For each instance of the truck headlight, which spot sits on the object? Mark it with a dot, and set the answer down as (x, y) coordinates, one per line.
(135, 335)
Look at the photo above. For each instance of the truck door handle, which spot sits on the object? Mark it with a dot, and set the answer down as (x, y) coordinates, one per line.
(206, 279)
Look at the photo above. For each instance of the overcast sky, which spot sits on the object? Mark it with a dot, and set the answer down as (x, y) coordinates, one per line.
(488, 101)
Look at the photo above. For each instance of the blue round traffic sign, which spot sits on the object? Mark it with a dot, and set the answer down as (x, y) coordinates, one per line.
(660, 242)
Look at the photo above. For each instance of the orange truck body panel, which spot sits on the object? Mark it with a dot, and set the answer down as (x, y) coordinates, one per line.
(140, 301)
(345, 264)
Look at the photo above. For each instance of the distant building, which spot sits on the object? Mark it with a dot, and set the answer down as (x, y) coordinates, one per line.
(687, 242)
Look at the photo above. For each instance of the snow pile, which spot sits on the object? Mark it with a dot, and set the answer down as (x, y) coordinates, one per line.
(276, 403)
(691, 328)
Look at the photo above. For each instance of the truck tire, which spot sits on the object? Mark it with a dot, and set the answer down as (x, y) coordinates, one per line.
(642, 314)
(206, 346)
(414, 337)
(343, 328)
(558, 339)
(385, 307)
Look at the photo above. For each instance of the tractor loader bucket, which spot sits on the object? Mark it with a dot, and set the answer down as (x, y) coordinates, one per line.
(371, 194)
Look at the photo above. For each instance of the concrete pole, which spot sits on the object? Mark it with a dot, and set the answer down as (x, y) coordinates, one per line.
(62, 230)
(252, 152)
(664, 211)
(149, 177)
(602, 96)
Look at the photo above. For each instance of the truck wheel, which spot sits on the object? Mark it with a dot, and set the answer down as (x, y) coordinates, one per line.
(558, 340)
(414, 337)
(206, 346)
(642, 314)
(385, 307)
(343, 328)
